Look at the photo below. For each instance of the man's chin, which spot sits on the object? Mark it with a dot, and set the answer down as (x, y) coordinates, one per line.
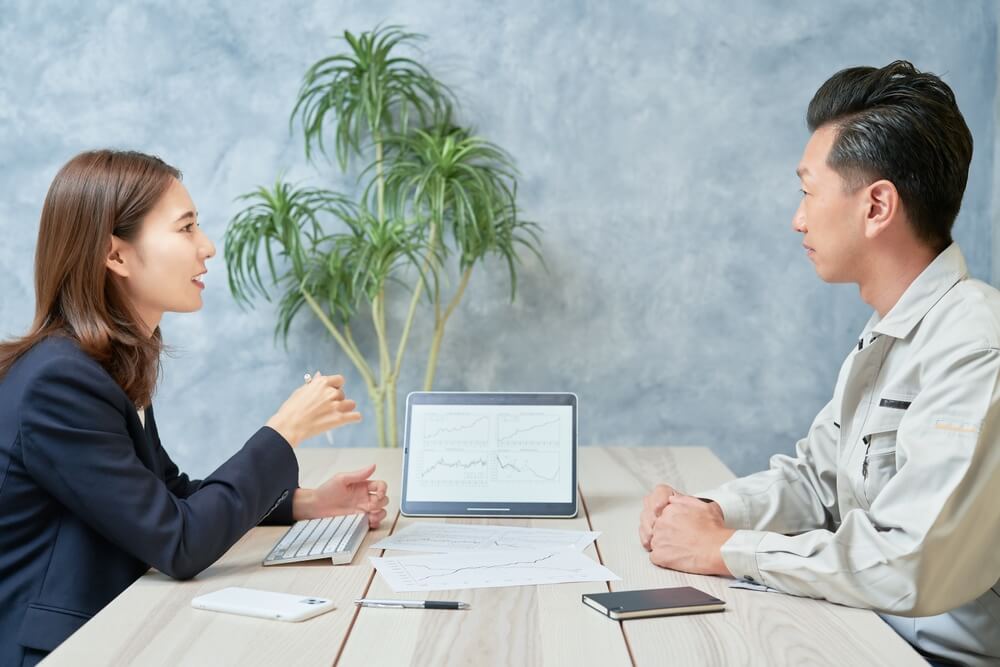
(830, 277)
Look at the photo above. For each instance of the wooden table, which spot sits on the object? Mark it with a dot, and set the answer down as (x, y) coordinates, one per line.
(152, 623)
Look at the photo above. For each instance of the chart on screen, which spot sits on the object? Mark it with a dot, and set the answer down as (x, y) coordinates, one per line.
(500, 452)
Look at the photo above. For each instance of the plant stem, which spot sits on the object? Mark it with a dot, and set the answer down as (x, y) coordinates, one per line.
(379, 177)
(377, 399)
(375, 392)
(391, 402)
(458, 294)
(345, 345)
(418, 290)
(350, 348)
(439, 325)
(388, 378)
(349, 335)
(380, 330)
(414, 300)
(386, 384)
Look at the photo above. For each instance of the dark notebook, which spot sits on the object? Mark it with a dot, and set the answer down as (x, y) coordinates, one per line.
(653, 602)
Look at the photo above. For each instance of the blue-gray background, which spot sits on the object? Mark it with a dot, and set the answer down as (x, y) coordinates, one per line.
(657, 141)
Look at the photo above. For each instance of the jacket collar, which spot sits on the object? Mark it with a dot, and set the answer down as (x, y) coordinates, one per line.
(941, 275)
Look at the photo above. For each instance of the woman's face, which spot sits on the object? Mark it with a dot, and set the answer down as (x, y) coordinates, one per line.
(163, 268)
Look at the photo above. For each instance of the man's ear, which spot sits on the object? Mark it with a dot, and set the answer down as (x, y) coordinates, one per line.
(883, 207)
(115, 261)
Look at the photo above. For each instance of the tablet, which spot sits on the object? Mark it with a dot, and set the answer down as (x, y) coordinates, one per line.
(490, 454)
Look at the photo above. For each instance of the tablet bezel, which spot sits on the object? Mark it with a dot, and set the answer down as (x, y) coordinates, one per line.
(489, 509)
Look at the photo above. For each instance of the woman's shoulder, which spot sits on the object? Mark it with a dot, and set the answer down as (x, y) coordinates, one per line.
(58, 359)
(55, 348)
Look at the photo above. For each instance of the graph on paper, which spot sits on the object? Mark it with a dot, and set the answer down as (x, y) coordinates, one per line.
(494, 453)
(452, 537)
(489, 570)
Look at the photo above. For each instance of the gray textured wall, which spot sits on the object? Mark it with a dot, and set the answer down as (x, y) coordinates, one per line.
(657, 141)
(996, 171)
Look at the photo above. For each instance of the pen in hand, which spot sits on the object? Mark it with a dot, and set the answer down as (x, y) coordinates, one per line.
(329, 438)
(412, 604)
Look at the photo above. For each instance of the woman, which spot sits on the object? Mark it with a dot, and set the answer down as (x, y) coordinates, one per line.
(89, 500)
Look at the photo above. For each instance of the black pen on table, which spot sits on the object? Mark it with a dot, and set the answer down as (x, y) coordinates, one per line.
(411, 604)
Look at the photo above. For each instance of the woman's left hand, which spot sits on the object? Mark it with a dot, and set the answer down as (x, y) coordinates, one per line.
(344, 493)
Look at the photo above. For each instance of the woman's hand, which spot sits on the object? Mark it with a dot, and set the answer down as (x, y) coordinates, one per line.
(344, 493)
(313, 408)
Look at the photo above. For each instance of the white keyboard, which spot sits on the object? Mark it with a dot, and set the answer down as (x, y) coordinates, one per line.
(333, 537)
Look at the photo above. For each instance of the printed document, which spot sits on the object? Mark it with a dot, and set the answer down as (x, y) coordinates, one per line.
(453, 537)
(489, 570)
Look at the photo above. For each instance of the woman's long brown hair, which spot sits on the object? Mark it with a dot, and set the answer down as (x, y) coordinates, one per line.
(94, 196)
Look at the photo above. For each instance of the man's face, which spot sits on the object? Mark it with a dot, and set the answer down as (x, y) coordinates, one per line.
(830, 217)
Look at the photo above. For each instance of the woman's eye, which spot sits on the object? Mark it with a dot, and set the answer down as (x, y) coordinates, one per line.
(804, 193)
(189, 227)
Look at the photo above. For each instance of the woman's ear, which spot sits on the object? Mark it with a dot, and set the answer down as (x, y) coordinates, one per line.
(115, 261)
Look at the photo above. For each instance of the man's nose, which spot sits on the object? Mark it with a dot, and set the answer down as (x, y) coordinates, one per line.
(799, 222)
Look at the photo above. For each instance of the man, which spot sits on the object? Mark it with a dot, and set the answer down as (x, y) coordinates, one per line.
(892, 501)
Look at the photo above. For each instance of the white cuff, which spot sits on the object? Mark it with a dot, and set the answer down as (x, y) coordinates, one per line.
(734, 508)
(739, 553)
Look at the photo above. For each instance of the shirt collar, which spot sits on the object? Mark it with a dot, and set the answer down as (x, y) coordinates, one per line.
(941, 275)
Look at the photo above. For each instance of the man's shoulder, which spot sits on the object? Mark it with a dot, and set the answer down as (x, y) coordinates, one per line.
(967, 315)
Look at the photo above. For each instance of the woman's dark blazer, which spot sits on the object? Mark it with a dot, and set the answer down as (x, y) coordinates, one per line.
(89, 500)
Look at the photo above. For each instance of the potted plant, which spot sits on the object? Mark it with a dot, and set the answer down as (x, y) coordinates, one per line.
(433, 199)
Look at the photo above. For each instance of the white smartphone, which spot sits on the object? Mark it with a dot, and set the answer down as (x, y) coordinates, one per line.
(263, 604)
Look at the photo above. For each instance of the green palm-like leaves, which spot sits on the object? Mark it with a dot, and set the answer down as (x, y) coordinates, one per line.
(340, 269)
(432, 193)
(368, 91)
(282, 223)
(465, 186)
(509, 232)
(356, 265)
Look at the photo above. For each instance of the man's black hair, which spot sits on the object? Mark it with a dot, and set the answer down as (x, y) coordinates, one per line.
(902, 125)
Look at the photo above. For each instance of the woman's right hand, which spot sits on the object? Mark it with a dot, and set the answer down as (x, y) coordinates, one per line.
(313, 408)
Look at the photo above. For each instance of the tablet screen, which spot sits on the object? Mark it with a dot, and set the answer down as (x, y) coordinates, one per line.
(477, 449)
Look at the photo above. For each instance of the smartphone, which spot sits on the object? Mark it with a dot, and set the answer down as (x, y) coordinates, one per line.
(263, 604)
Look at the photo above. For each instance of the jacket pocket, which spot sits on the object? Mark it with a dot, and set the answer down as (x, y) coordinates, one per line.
(879, 440)
(46, 627)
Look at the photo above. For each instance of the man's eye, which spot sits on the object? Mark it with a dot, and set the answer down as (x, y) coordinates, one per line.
(189, 227)
(804, 193)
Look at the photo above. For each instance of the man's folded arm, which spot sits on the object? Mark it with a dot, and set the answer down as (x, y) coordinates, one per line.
(796, 494)
(928, 543)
